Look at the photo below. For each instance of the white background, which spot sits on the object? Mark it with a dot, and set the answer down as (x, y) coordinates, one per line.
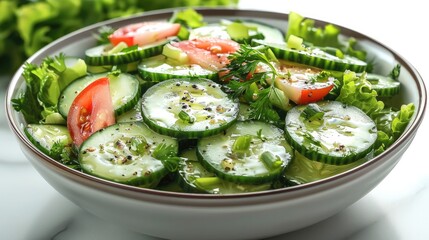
(396, 209)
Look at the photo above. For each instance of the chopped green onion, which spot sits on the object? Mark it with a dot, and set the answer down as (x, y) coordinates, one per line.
(270, 161)
(207, 182)
(242, 143)
(186, 117)
(139, 145)
(312, 112)
(117, 49)
(295, 42)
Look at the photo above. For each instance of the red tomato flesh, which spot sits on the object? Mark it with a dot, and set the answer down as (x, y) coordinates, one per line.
(144, 33)
(91, 110)
(209, 53)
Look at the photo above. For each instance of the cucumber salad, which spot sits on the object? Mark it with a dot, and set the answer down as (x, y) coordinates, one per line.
(224, 107)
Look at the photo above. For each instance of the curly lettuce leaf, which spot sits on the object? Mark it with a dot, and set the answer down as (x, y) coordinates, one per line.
(44, 84)
(391, 125)
(356, 91)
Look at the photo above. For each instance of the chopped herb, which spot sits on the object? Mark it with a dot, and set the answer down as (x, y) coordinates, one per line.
(167, 154)
(242, 72)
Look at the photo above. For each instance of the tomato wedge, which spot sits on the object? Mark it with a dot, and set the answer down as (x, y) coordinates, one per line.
(144, 33)
(209, 53)
(91, 110)
(302, 92)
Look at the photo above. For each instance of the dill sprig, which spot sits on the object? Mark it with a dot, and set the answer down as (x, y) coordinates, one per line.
(242, 74)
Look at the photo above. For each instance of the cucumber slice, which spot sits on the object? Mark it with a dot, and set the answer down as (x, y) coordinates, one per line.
(133, 115)
(212, 30)
(244, 112)
(343, 135)
(122, 153)
(303, 170)
(102, 55)
(314, 57)
(124, 89)
(125, 68)
(45, 136)
(188, 108)
(193, 177)
(156, 69)
(384, 86)
(255, 30)
(262, 161)
(258, 30)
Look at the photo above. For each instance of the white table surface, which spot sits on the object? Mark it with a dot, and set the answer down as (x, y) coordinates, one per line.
(398, 208)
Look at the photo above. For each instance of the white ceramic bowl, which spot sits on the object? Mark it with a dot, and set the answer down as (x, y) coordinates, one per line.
(241, 216)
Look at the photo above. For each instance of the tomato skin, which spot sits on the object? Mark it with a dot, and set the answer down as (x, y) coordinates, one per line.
(313, 95)
(91, 110)
(144, 33)
(209, 53)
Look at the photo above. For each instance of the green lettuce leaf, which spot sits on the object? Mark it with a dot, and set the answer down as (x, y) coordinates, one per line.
(305, 28)
(356, 91)
(44, 84)
(390, 123)
(326, 36)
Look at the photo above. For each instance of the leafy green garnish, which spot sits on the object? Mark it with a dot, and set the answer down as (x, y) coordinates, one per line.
(396, 71)
(242, 74)
(167, 154)
(357, 91)
(43, 86)
(326, 38)
(27, 26)
(188, 19)
(64, 154)
(305, 28)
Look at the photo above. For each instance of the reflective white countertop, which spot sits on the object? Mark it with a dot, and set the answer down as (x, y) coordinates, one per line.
(398, 208)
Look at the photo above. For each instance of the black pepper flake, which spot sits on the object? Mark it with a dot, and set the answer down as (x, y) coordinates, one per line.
(177, 84)
(194, 86)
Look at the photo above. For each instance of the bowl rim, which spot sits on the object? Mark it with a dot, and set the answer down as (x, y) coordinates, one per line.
(142, 193)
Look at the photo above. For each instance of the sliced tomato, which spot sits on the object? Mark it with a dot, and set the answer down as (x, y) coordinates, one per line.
(144, 33)
(91, 110)
(301, 90)
(209, 53)
(299, 86)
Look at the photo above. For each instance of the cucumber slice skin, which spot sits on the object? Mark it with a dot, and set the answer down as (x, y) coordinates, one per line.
(109, 154)
(191, 169)
(384, 86)
(303, 170)
(317, 58)
(94, 56)
(44, 136)
(212, 151)
(156, 70)
(335, 140)
(162, 103)
(122, 101)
